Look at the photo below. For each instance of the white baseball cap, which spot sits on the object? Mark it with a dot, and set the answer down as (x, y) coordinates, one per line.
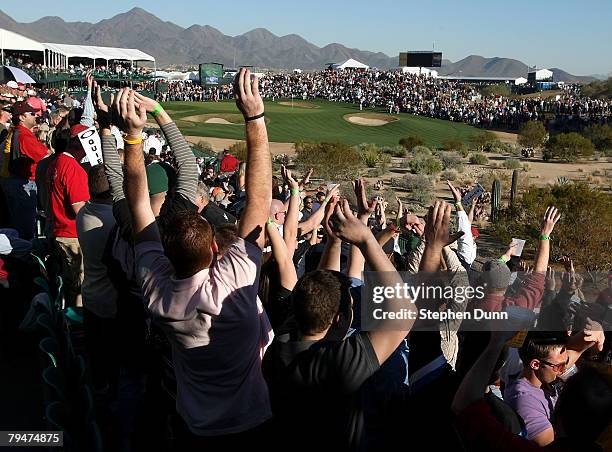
(12, 84)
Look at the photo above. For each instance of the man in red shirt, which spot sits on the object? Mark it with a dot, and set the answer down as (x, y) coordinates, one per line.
(68, 193)
(229, 163)
(22, 151)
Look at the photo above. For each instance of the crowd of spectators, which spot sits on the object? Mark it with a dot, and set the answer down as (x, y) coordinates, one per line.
(246, 289)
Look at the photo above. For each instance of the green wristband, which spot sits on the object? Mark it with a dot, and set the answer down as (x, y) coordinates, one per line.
(544, 237)
(157, 110)
(502, 259)
(295, 192)
(324, 203)
(270, 221)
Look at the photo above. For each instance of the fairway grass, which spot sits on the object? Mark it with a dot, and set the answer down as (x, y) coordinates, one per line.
(325, 123)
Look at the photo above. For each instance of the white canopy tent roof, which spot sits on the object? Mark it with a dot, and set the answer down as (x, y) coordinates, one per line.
(351, 63)
(97, 52)
(14, 41)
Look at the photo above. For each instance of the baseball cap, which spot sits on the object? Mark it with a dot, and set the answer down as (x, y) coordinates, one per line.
(76, 129)
(12, 84)
(475, 232)
(157, 179)
(20, 108)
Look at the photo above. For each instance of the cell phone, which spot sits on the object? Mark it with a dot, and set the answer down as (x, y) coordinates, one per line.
(474, 192)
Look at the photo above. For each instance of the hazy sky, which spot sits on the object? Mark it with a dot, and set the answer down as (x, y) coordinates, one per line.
(573, 35)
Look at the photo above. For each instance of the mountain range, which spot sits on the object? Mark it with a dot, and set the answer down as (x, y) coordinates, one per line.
(171, 44)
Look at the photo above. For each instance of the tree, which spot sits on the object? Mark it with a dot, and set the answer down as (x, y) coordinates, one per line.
(568, 147)
(601, 136)
(332, 161)
(453, 144)
(483, 139)
(411, 141)
(584, 232)
(600, 89)
(532, 134)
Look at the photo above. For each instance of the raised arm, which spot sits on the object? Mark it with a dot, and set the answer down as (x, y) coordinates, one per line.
(187, 168)
(551, 216)
(436, 236)
(290, 228)
(137, 193)
(466, 247)
(259, 164)
(87, 118)
(330, 260)
(364, 210)
(286, 269)
(112, 164)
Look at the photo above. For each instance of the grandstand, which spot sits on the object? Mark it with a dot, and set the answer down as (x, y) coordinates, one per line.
(52, 63)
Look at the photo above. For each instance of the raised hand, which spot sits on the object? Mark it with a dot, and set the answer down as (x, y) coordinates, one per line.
(246, 93)
(90, 80)
(148, 103)
(100, 105)
(436, 227)
(288, 177)
(131, 121)
(329, 211)
(551, 216)
(347, 226)
(456, 193)
(364, 207)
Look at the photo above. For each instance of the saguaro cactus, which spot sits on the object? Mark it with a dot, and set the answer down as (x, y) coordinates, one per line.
(495, 199)
(513, 189)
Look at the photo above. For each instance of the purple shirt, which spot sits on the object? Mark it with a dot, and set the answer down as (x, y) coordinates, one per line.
(533, 404)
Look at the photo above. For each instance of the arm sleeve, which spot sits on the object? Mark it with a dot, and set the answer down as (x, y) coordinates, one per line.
(414, 258)
(31, 147)
(87, 118)
(480, 430)
(529, 296)
(466, 247)
(187, 178)
(112, 167)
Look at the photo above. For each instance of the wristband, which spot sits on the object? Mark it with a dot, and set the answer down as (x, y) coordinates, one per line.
(324, 203)
(253, 118)
(157, 110)
(544, 237)
(458, 205)
(502, 259)
(270, 221)
(135, 141)
(295, 191)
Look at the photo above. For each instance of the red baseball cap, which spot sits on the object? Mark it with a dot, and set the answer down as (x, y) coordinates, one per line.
(21, 108)
(475, 233)
(76, 129)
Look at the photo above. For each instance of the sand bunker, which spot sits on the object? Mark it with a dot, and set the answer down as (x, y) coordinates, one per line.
(370, 119)
(218, 121)
(216, 118)
(298, 104)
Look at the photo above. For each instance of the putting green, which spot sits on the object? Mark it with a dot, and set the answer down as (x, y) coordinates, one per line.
(325, 123)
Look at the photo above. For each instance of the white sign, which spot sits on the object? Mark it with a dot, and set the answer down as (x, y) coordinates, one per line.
(90, 140)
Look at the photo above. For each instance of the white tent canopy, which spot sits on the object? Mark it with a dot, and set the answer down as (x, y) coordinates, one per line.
(14, 41)
(97, 52)
(351, 63)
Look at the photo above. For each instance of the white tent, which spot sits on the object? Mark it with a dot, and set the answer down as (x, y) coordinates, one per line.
(419, 70)
(542, 74)
(98, 53)
(14, 41)
(351, 63)
(520, 81)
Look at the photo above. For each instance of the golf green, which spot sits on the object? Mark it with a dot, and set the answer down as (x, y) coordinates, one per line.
(316, 120)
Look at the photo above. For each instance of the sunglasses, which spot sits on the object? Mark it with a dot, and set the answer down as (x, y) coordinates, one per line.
(556, 367)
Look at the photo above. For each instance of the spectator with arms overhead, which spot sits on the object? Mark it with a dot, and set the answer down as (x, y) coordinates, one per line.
(209, 309)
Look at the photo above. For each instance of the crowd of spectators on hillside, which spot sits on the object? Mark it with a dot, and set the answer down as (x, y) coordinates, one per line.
(239, 298)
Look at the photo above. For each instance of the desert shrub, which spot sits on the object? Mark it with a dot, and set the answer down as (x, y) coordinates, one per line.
(411, 141)
(239, 150)
(331, 161)
(394, 151)
(450, 160)
(203, 149)
(532, 134)
(453, 144)
(417, 150)
(415, 181)
(449, 175)
(512, 164)
(568, 147)
(579, 204)
(478, 158)
(425, 164)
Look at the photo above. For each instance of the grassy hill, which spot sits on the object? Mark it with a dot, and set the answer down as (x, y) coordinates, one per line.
(314, 121)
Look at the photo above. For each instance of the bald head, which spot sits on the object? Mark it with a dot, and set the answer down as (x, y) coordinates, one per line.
(277, 211)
